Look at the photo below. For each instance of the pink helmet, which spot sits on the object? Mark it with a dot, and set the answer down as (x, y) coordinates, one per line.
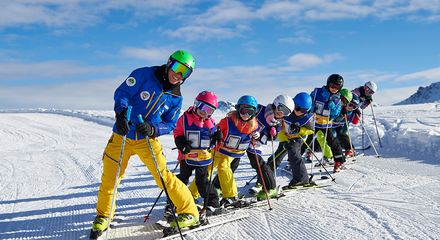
(208, 97)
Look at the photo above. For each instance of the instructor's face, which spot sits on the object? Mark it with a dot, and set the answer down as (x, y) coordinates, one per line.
(174, 78)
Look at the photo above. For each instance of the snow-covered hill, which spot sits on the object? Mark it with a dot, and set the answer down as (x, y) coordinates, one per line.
(51, 166)
(428, 94)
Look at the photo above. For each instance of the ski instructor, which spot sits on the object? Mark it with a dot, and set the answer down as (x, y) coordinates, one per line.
(154, 93)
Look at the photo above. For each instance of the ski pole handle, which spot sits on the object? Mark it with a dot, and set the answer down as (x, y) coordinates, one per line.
(140, 118)
(128, 113)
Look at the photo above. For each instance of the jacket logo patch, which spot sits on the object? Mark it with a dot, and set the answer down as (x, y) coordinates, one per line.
(145, 95)
(131, 81)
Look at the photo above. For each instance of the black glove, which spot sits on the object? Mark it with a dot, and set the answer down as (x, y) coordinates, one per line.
(343, 111)
(145, 129)
(182, 144)
(294, 128)
(122, 123)
(357, 112)
(217, 136)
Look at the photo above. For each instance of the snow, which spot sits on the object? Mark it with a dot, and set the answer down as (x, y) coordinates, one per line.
(51, 168)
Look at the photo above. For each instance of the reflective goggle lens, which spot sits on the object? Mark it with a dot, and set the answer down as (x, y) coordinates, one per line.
(301, 110)
(206, 108)
(247, 111)
(352, 105)
(370, 91)
(283, 109)
(178, 67)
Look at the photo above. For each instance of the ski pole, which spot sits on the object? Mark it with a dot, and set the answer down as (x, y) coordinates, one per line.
(160, 194)
(372, 144)
(118, 171)
(205, 204)
(349, 137)
(375, 124)
(147, 138)
(261, 175)
(363, 132)
(274, 162)
(308, 147)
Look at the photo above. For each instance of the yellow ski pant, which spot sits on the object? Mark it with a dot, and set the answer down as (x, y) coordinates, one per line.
(225, 176)
(325, 148)
(178, 192)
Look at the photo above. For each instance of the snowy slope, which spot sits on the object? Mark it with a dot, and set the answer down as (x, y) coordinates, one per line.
(52, 165)
(427, 94)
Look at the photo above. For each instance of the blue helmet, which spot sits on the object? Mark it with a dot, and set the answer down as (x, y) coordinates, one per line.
(247, 100)
(303, 100)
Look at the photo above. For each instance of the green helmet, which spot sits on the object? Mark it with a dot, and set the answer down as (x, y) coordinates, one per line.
(346, 94)
(184, 57)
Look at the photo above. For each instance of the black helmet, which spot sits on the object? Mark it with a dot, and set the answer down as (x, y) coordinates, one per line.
(335, 79)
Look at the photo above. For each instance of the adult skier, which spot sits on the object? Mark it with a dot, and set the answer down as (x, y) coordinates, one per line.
(154, 93)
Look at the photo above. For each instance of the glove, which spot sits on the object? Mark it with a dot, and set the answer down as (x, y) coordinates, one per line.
(357, 112)
(122, 123)
(273, 132)
(145, 129)
(294, 128)
(182, 144)
(217, 136)
(255, 135)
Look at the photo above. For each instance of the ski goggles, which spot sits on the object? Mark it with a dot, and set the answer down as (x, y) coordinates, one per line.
(352, 105)
(181, 68)
(334, 86)
(300, 110)
(204, 107)
(367, 89)
(285, 110)
(246, 111)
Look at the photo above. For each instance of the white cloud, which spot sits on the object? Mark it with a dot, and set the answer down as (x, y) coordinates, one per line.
(432, 74)
(393, 95)
(153, 55)
(194, 33)
(302, 61)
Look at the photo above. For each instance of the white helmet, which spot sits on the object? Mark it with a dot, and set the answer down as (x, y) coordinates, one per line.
(284, 103)
(371, 85)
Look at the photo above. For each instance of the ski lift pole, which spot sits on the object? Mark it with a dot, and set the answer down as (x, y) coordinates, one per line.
(372, 144)
(147, 138)
(375, 124)
(118, 171)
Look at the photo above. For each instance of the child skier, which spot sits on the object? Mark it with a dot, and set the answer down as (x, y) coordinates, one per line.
(365, 93)
(236, 130)
(296, 127)
(269, 119)
(192, 135)
(327, 106)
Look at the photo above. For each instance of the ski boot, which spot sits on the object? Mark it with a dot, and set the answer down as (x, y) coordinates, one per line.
(295, 184)
(212, 211)
(257, 188)
(350, 153)
(271, 193)
(99, 226)
(338, 167)
(185, 221)
(234, 202)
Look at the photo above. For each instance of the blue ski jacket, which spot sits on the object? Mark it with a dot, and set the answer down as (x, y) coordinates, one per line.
(144, 92)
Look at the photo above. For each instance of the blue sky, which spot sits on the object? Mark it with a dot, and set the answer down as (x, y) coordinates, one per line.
(74, 53)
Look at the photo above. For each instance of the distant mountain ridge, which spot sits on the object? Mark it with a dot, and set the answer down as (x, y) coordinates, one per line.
(226, 106)
(427, 94)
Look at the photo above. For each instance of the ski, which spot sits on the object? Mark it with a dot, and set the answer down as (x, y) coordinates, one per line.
(287, 189)
(170, 233)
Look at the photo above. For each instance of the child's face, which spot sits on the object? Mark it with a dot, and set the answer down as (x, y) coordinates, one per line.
(278, 114)
(333, 88)
(246, 112)
(202, 114)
